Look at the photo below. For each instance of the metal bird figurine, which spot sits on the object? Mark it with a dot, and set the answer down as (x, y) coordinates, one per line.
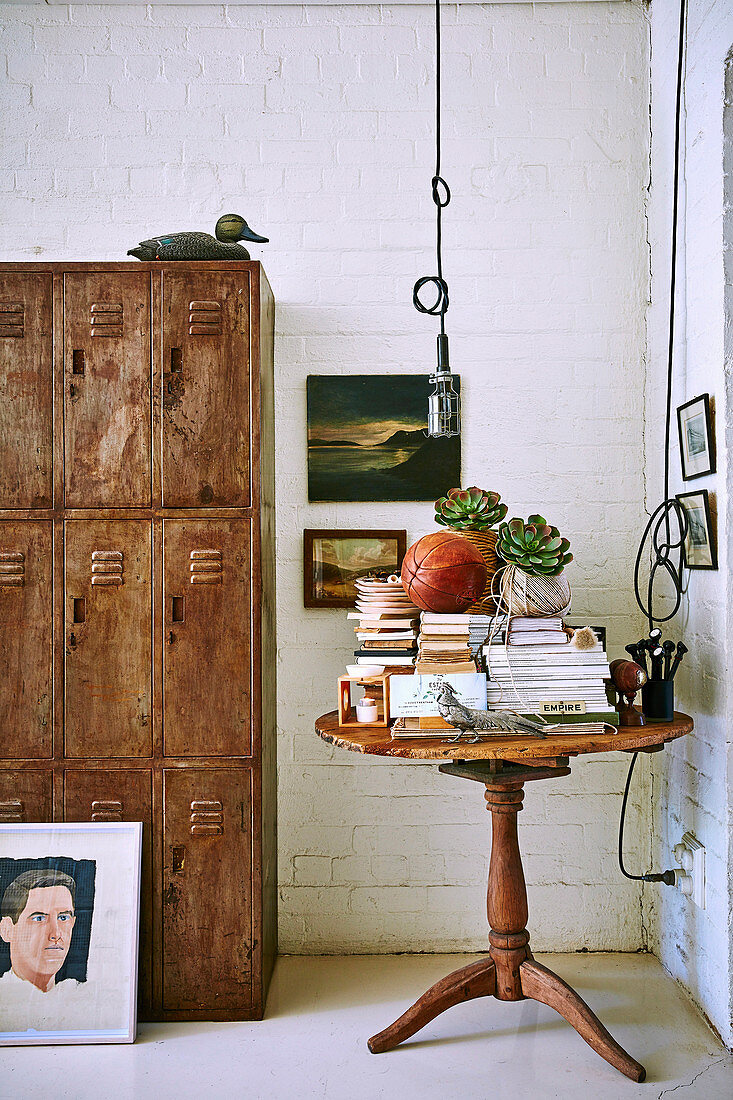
(489, 723)
(230, 228)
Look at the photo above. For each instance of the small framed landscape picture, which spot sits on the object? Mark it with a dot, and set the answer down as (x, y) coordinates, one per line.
(333, 560)
(697, 449)
(699, 547)
(69, 906)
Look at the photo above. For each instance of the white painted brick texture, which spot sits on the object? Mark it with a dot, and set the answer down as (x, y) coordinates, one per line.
(693, 780)
(316, 124)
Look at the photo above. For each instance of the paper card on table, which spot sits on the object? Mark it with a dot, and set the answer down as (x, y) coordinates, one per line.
(415, 696)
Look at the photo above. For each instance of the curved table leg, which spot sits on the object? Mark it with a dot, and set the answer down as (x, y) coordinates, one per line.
(540, 984)
(475, 980)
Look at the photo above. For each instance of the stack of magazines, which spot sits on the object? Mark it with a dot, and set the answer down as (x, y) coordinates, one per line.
(552, 679)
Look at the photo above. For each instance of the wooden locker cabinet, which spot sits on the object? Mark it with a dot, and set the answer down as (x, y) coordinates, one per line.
(137, 610)
(107, 389)
(108, 611)
(120, 794)
(206, 592)
(206, 389)
(207, 871)
(26, 638)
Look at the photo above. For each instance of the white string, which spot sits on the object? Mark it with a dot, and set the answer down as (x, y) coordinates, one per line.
(541, 591)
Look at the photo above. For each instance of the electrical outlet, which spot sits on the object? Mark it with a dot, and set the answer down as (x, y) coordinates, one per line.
(690, 855)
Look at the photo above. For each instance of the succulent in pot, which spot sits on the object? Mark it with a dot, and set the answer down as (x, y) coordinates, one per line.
(534, 546)
(471, 509)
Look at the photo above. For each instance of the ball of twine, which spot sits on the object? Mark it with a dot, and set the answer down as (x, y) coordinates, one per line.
(521, 594)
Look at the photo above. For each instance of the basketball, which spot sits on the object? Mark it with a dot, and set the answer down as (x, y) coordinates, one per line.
(444, 572)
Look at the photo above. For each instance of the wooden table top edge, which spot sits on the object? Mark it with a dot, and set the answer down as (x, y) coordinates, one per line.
(377, 741)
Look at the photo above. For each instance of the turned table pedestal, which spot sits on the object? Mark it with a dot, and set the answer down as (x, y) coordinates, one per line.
(509, 972)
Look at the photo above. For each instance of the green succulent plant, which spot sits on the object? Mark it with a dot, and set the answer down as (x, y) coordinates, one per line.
(472, 508)
(534, 546)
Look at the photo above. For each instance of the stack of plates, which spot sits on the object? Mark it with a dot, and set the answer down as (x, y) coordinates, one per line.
(384, 599)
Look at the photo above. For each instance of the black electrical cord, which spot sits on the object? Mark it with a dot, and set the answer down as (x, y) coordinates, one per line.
(441, 198)
(667, 877)
(662, 545)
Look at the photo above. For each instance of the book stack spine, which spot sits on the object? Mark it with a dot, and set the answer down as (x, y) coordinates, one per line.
(385, 641)
(443, 644)
(536, 631)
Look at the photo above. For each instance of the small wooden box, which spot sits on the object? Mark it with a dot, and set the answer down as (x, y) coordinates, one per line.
(378, 686)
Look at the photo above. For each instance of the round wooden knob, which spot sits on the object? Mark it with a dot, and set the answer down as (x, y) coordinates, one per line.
(627, 676)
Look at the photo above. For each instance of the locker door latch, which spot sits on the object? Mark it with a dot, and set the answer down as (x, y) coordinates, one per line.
(178, 859)
(173, 380)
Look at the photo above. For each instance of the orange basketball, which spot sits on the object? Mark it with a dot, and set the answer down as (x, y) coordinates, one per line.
(444, 572)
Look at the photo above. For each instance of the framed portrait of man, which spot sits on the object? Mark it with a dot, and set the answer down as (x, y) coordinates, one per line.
(69, 919)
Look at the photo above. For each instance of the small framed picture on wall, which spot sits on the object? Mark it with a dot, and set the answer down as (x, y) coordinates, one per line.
(333, 560)
(699, 547)
(697, 444)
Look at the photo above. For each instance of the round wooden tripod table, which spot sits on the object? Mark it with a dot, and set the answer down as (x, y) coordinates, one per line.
(504, 766)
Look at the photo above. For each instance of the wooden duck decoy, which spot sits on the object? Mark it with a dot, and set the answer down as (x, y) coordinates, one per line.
(230, 228)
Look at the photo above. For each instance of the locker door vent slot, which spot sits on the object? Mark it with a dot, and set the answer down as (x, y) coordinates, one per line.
(12, 319)
(207, 817)
(206, 567)
(11, 809)
(12, 569)
(107, 567)
(109, 810)
(106, 319)
(204, 319)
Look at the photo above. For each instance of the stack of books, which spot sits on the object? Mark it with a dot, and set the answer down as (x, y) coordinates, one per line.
(479, 627)
(443, 644)
(534, 631)
(563, 685)
(387, 623)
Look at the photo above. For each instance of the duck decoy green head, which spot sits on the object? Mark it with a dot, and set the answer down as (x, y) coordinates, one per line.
(233, 227)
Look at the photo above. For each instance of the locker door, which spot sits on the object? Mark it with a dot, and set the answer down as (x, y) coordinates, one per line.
(207, 890)
(121, 795)
(26, 638)
(206, 644)
(107, 392)
(25, 796)
(108, 610)
(206, 429)
(26, 391)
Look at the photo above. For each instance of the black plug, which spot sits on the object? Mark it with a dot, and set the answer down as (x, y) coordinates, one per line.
(669, 878)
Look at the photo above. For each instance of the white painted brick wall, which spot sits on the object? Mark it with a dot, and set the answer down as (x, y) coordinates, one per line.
(316, 124)
(693, 780)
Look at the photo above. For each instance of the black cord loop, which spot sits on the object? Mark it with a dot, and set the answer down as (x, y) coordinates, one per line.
(441, 302)
(441, 197)
(663, 549)
(436, 183)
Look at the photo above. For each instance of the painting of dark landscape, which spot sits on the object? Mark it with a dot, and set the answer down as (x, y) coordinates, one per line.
(366, 440)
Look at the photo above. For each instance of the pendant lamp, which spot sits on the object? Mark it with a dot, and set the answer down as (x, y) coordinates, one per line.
(444, 404)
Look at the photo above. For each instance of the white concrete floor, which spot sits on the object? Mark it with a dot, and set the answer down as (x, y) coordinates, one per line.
(321, 1011)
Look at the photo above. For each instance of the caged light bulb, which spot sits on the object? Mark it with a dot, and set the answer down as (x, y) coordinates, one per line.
(444, 404)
